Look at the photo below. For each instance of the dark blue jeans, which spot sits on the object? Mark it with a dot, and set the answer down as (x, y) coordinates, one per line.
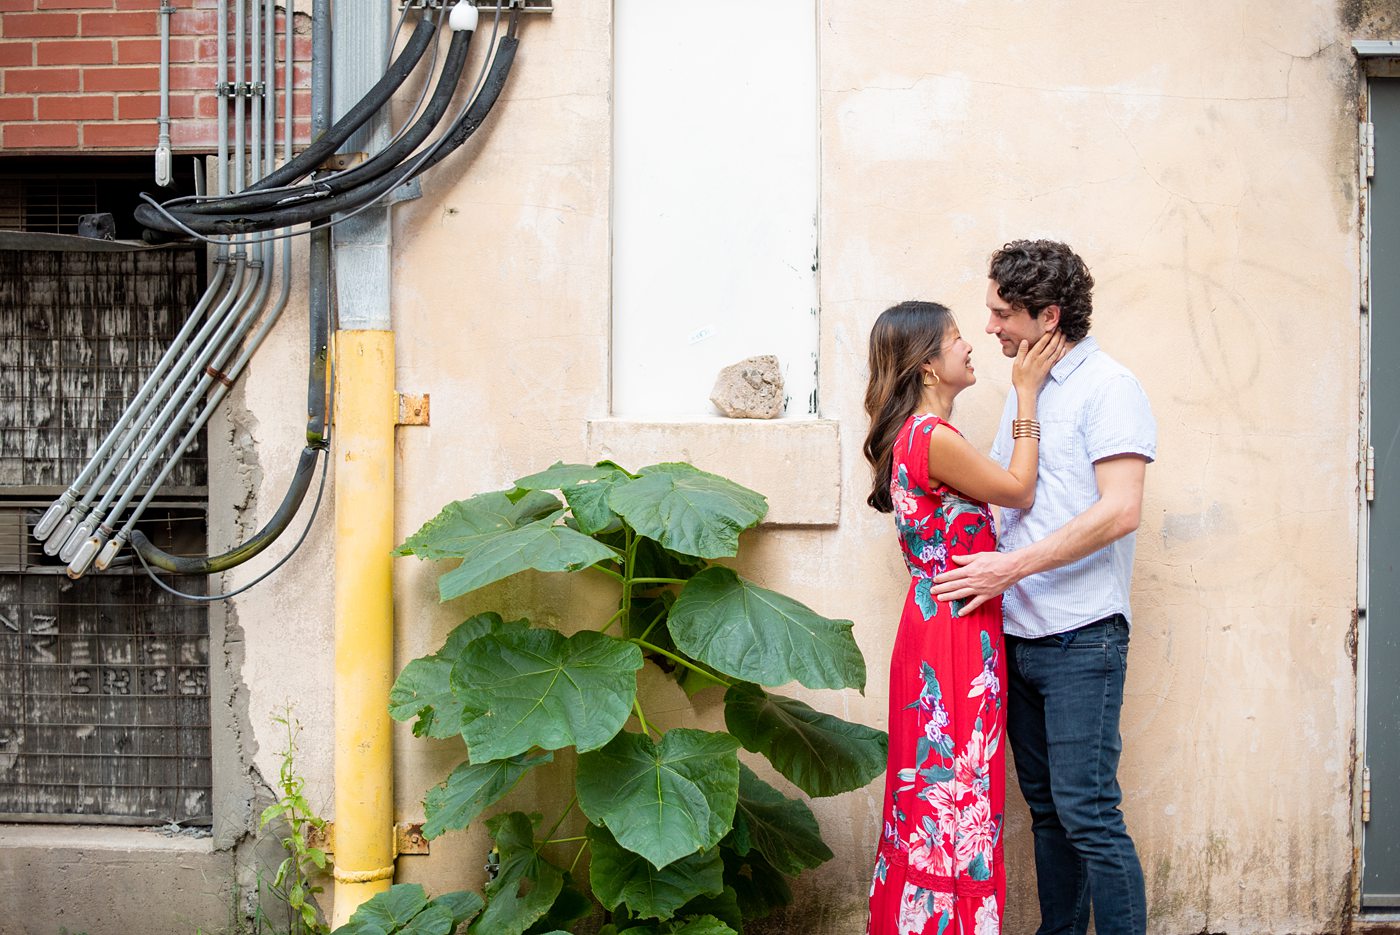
(1066, 692)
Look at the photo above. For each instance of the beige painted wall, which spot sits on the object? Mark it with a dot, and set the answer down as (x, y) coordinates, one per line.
(1199, 154)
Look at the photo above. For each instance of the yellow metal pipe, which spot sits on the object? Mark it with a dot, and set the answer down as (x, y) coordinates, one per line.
(366, 412)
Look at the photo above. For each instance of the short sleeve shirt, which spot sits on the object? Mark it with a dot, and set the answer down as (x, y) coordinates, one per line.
(1091, 408)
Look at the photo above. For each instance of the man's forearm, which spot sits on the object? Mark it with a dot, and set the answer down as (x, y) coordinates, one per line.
(1100, 525)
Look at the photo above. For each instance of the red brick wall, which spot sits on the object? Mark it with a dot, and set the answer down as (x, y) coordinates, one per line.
(84, 75)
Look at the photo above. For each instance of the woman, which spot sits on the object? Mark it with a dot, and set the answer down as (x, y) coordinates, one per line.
(939, 868)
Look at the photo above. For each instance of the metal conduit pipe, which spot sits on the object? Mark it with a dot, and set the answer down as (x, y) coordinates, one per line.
(305, 470)
(272, 196)
(74, 526)
(100, 543)
(164, 176)
(57, 530)
(112, 547)
(222, 94)
(83, 547)
(60, 507)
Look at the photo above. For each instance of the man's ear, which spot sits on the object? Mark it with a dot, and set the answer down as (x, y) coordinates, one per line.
(1050, 317)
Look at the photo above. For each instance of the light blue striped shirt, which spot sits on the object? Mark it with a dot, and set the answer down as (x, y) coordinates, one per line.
(1090, 408)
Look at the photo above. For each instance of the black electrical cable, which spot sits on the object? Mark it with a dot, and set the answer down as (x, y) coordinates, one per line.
(366, 107)
(204, 598)
(382, 162)
(254, 544)
(366, 194)
(326, 144)
(181, 227)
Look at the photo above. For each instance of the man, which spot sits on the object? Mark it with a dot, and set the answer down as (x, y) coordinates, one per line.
(1065, 566)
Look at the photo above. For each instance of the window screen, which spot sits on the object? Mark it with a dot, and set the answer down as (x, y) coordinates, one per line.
(104, 681)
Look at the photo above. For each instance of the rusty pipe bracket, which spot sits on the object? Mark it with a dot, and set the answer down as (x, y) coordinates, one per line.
(409, 840)
(341, 161)
(414, 409)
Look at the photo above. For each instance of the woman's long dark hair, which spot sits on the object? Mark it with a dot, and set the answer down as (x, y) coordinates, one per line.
(902, 339)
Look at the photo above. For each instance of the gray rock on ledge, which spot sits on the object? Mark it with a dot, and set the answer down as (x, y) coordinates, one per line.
(750, 389)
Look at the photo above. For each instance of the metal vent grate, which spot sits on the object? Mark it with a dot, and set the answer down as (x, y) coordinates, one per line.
(78, 333)
(47, 205)
(104, 709)
(104, 682)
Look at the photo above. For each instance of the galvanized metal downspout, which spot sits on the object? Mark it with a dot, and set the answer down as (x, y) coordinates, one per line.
(365, 412)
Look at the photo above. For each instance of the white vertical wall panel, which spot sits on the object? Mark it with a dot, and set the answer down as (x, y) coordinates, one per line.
(715, 199)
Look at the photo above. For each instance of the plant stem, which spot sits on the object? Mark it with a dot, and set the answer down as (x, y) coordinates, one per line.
(674, 658)
(607, 571)
(660, 580)
(630, 555)
(641, 718)
(652, 626)
(581, 849)
(566, 840)
(613, 619)
(565, 814)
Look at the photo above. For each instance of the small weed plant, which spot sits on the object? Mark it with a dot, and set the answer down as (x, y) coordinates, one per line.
(682, 835)
(294, 882)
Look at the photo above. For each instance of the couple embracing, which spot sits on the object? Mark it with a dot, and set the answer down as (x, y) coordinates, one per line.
(1019, 639)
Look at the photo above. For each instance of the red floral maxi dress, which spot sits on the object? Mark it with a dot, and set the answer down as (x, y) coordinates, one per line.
(939, 866)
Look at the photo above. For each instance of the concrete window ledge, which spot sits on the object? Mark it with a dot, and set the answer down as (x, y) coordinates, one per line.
(796, 464)
(111, 881)
(118, 838)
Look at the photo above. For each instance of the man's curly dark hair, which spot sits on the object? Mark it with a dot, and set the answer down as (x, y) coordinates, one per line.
(1035, 274)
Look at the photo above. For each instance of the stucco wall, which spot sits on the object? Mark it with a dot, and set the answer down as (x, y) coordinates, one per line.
(1200, 155)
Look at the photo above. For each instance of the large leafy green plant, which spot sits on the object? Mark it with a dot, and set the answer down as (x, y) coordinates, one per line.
(683, 836)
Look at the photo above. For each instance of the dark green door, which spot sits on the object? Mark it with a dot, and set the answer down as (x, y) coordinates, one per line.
(1380, 885)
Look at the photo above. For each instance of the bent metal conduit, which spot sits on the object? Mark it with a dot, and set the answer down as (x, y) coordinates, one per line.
(85, 525)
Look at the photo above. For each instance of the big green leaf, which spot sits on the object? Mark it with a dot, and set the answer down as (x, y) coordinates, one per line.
(472, 629)
(526, 884)
(471, 788)
(543, 546)
(589, 503)
(820, 753)
(560, 476)
(688, 510)
(536, 688)
(423, 689)
(664, 800)
(586, 488)
(620, 877)
(496, 538)
(463, 904)
(763, 636)
(387, 911)
(783, 830)
(464, 524)
(434, 920)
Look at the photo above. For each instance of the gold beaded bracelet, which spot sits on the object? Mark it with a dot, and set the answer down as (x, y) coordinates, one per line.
(1025, 428)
